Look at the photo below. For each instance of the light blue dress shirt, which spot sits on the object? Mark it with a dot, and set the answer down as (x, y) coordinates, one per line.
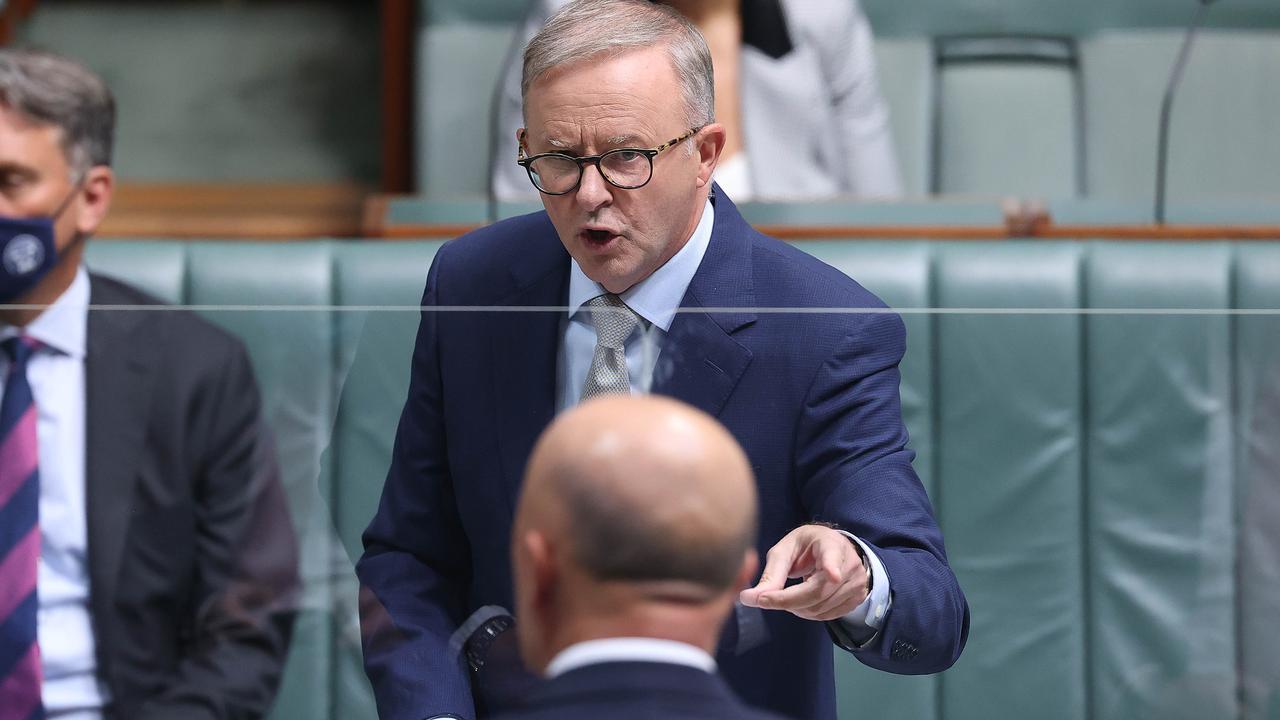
(656, 299)
(64, 628)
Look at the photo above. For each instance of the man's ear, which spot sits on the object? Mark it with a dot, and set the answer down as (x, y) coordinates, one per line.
(542, 569)
(94, 198)
(710, 141)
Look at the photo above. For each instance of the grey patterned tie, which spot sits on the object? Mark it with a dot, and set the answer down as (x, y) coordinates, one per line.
(614, 323)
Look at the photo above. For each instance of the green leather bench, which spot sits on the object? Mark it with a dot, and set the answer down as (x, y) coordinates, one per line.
(1109, 482)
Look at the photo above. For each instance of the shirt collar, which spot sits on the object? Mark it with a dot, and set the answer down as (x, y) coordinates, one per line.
(63, 326)
(657, 297)
(629, 649)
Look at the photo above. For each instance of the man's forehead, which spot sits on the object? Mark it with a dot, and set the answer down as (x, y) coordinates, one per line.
(574, 138)
(15, 122)
(634, 76)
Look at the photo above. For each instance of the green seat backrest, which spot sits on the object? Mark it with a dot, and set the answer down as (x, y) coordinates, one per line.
(1257, 287)
(155, 267)
(1160, 497)
(1235, 211)
(482, 11)
(1223, 140)
(458, 66)
(1009, 462)
(908, 212)
(955, 17)
(1007, 117)
(385, 281)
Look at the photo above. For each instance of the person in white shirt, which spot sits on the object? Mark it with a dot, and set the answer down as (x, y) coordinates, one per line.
(632, 539)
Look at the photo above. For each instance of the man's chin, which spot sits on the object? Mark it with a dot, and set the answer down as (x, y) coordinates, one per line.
(607, 272)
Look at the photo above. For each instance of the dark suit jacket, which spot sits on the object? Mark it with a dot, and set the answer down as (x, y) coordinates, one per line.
(181, 481)
(636, 691)
(812, 397)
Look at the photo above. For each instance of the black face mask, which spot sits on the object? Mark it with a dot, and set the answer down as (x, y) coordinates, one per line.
(28, 251)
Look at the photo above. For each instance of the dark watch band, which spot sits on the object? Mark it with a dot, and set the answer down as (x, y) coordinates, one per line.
(476, 649)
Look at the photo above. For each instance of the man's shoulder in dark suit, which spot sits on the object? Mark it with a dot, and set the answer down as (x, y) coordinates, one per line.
(183, 336)
(484, 264)
(636, 691)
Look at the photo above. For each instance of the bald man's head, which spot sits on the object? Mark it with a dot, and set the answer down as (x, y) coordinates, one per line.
(641, 493)
(652, 490)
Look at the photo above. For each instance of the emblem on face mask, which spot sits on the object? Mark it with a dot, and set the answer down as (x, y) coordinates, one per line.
(23, 255)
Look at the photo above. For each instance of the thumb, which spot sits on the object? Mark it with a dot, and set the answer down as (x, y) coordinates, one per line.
(777, 569)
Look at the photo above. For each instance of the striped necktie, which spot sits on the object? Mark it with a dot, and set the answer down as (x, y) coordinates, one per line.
(20, 672)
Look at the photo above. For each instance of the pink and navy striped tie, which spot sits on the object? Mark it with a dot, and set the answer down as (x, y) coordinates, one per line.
(20, 673)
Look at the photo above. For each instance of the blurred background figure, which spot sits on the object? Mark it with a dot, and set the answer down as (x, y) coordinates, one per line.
(135, 471)
(634, 533)
(796, 90)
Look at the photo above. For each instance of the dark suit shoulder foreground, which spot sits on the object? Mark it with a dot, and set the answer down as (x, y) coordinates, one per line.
(182, 333)
(636, 691)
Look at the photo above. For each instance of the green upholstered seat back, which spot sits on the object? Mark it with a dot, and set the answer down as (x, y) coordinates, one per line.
(1223, 140)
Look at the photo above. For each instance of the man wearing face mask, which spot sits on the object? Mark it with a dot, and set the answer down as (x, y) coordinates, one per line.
(135, 472)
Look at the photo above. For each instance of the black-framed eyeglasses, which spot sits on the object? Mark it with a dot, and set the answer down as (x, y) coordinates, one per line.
(627, 168)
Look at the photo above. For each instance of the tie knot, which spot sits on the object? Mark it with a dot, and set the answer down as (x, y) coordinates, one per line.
(613, 320)
(19, 349)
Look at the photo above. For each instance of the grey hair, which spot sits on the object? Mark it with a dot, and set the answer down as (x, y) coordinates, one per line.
(53, 90)
(586, 29)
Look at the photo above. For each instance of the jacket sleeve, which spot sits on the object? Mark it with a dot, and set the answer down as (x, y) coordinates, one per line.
(415, 569)
(855, 471)
(246, 585)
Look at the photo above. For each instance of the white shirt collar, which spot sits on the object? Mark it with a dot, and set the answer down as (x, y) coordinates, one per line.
(63, 326)
(657, 297)
(629, 649)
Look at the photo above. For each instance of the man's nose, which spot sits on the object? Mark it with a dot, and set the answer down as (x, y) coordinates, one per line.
(593, 191)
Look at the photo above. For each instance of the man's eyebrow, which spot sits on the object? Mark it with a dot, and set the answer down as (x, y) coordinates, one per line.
(557, 143)
(23, 171)
(622, 140)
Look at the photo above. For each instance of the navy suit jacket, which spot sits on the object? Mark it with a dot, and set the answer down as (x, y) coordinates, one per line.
(812, 397)
(635, 691)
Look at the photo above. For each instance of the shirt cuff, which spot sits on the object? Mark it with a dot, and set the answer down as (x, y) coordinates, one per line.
(863, 624)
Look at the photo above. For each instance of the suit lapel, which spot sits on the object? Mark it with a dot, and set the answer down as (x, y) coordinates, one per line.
(701, 362)
(525, 349)
(117, 398)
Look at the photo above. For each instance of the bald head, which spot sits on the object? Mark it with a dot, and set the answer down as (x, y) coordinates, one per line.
(638, 519)
(645, 489)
